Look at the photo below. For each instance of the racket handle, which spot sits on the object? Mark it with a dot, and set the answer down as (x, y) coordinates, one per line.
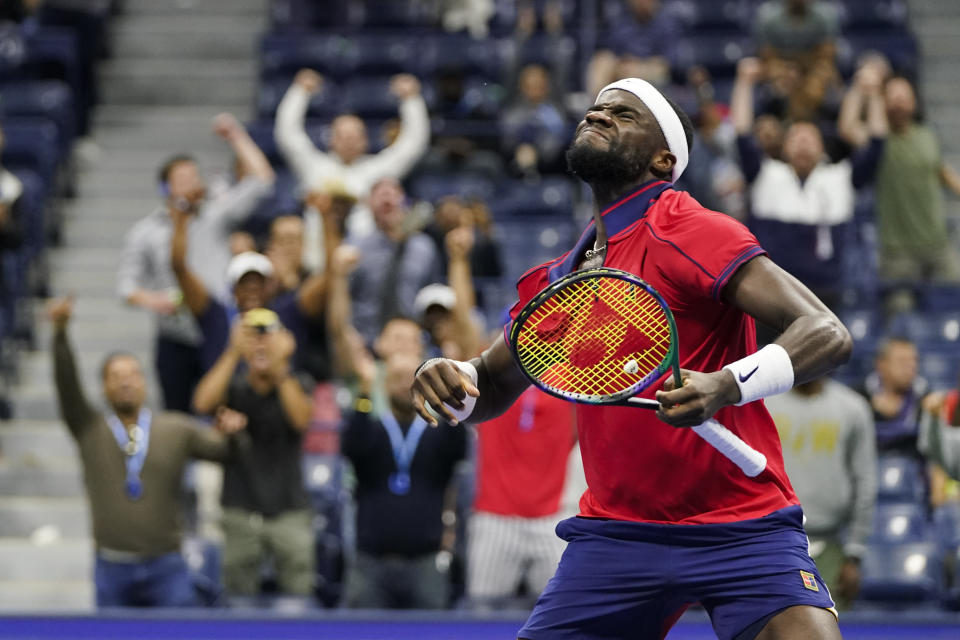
(750, 461)
(644, 403)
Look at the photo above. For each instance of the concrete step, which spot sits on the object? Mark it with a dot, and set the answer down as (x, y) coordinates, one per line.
(65, 518)
(66, 560)
(121, 160)
(60, 596)
(196, 7)
(162, 117)
(211, 37)
(177, 82)
(939, 46)
(31, 440)
(84, 259)
(51, 477)
(932, 8)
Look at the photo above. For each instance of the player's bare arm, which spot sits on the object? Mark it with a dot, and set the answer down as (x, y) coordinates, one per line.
(444, 385)
(812, 336)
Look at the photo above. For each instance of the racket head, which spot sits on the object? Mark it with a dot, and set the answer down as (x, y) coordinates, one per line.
(596, 336)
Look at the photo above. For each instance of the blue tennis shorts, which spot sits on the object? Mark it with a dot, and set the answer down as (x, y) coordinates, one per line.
(633, 580)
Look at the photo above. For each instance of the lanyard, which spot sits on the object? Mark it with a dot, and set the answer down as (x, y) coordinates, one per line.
(134, 445)
(404, 449)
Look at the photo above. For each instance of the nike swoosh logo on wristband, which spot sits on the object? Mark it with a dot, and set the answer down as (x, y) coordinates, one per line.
(744, 378)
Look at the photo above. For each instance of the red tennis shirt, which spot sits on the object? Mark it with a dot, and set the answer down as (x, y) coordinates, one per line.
(637, 467)
(522, 457)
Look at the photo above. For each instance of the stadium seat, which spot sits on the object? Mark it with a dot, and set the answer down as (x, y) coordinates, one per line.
(940, 369)
(900, 480)
(899, 47)
(527, 242)
(461, 52)
(706, 16)
(370, 97)
(719, 53)
(553, 196)
(34, 144)
(871, 14)
(932, 329)
(901, 523)
(52, 99)
(946, 522)
(432, 187)
(863, 324)
(901, 574)
(326, 103)
(939, 297)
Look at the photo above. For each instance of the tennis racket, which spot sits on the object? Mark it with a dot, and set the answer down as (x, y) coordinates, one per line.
(600, 336)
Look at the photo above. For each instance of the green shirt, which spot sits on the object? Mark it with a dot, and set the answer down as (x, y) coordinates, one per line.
(909, 201)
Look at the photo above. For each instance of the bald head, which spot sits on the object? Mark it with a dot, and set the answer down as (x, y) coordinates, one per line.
(348, 138)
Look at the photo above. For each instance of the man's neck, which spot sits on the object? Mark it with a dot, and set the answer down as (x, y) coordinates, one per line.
(261, 381)
(605, 195)
(128, 418)
(403, 413)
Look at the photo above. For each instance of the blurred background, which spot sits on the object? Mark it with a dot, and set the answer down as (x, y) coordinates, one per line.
(390, 146)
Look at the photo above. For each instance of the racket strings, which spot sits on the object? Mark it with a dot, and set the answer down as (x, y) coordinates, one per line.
(587, 323)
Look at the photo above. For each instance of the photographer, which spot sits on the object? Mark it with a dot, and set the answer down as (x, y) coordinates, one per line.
(265, 505)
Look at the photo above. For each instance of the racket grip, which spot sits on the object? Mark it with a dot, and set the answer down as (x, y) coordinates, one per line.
(750, 461)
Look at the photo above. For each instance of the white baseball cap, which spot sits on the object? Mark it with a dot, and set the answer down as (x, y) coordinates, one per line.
(434, 294)
(248, 262)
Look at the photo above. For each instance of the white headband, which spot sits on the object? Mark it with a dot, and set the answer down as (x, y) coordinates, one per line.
(666, 117)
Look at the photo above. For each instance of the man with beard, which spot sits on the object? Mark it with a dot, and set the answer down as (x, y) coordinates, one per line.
(667, 521)
(133, 464)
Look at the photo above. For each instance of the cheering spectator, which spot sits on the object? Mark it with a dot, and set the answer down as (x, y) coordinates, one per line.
(266, 510)
(796, 37)
(334, 202)
(534, 128)
(285, 250)
(249, 276)
(521, 469)
(797, 204)
(452, 213)
(395, 264)
(896, 394)
(403, 468)
(912, 223)
(447, 313)
(144, 277)
(830, 452)
(348, 162)
(133, 463)
(640, 43)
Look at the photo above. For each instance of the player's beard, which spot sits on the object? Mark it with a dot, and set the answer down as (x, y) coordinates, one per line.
(617, 164)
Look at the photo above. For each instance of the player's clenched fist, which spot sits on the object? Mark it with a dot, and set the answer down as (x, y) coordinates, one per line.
(448, 386)
(701, 396)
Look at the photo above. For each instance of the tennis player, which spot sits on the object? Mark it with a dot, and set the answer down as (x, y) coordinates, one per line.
(667, 520)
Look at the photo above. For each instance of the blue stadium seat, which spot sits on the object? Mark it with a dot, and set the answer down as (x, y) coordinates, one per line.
(719, 53)
(48, 98)
(727, 16)
(322, 473)
(901, 573)
(946, 522)
(34, 144)
(304, 14)
(553, 196)
(432, 187)
(899, 46)
(871, 14)
(391, 14)
(901, 523)
(939, 297)
(370, 97)
(33, 203)
(939, 368)
(931, 329)
(527, 242)
(863, 324)
(326, 103)
(900, 480)
(460, 51)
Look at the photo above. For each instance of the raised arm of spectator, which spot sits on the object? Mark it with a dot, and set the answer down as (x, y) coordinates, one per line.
(865, 95)
(749, 71)
(312, 296)
(397, 159)
(294, 399)
(251, 158)
(75, 409)
(950, 178)
(296, 146)
(211, 391)
(459, 243)
(352, 358)
(132, 274)
(195, 294)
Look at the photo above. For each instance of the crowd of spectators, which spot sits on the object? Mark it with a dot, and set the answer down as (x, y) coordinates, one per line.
(428, 170)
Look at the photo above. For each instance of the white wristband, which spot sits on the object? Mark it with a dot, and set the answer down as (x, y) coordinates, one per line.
(468, 401)
(764, 373)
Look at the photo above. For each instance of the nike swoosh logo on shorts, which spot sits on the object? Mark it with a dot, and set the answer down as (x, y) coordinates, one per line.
(744, 378)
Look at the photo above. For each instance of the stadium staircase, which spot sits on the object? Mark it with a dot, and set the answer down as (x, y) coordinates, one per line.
(175, 64)
(935, 24)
